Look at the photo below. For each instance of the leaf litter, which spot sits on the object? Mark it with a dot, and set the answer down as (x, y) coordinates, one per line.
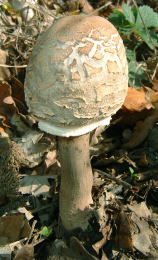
(126, 204)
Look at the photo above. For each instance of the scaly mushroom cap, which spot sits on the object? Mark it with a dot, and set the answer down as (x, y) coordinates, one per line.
(77, 76)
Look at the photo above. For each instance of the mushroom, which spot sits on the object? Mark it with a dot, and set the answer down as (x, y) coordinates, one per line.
(77, 77)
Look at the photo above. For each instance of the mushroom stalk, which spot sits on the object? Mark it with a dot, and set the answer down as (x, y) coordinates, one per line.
(76, 182)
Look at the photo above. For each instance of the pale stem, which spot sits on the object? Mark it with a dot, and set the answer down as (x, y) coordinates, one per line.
(76, 182)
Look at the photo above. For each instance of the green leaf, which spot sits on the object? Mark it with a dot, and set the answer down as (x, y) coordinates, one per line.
(130, 21)
(136, 74)
(149, 17)
(117, 19)
(46, 231)
(130, 55)
(127, 11)
(145, 37)
(57, 11)
(131, 170)
(125, 30)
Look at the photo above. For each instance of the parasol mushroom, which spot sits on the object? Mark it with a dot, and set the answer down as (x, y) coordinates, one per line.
(77, 78)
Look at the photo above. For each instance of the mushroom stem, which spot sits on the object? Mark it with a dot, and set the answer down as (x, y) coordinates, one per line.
(76, 182)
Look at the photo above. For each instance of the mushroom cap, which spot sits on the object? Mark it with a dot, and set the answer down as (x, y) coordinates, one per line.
(77, 76)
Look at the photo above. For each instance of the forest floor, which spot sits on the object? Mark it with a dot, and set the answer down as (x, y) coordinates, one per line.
(124, 157)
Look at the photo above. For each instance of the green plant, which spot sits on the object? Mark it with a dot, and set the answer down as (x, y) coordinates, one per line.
(135, 69)
(46, 231)
(133, 175)
(136, 26)
(141, 21)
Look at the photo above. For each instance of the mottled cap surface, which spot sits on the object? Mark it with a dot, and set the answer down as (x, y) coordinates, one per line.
(77, 75)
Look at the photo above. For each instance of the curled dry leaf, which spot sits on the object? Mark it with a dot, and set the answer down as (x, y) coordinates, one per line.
(7, 104)
(78, 248)
(85, 6)
(141, 100)
(4, 72)
(136, 100)
(99, 244)
(141, 131)
(18, 94)
(155, 79)
(13, 228)
(141, 235)
(25, 253)
(34, 145)
(123, 239)
(35, 185)
(9, 113)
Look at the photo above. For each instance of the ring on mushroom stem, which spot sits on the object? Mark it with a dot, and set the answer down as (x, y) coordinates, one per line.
(77, 78)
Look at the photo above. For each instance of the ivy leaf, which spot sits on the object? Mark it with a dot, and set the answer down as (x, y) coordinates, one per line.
(127, 11)
(149, 17)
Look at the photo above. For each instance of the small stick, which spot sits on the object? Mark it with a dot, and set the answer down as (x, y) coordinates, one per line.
(125, 184)
(13, 66)
(100, 8)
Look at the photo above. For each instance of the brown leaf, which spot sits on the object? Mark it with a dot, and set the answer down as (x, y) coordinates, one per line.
(4, 71)
(12, 227)
(155, 180)
(136, 100)
(155, 80)
(141, 131)
(18, 94)
(99, 244)
(25, 253)
(9, 113)
(85, 6)
(7, 105)
(123, 239)
(80, 250)
(5, 90)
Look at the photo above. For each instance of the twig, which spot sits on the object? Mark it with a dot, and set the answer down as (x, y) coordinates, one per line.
(100, 8)
(125, 184)
(31, 232)
(146, 29)
(41, 10)
(13, 66)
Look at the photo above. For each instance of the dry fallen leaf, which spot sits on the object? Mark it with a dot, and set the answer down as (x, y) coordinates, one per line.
(141, 99)
(35, 185)
(155, 79)
(123, 239)
(34, 146)
(7, 105)
(136, 100)
(141, 131)
(85, 6)
(141, 235)
(25, 253)
(18, 94)
(4, 71)
(140, 209)
(13, 228)
(144, 100)
(78, 248)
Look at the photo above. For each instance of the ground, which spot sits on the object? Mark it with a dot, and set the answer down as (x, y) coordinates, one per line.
(124, 156)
